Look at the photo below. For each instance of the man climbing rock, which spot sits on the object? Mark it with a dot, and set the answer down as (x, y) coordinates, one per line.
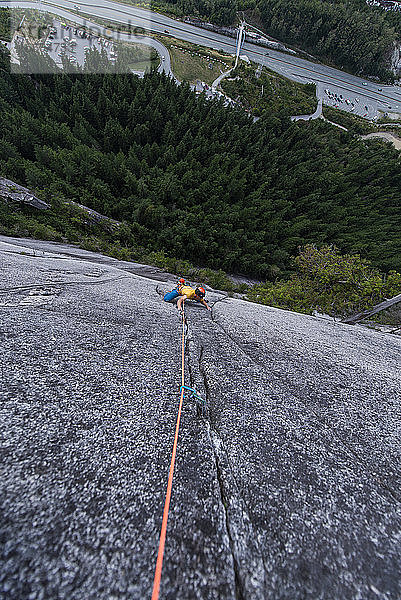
(186, 292)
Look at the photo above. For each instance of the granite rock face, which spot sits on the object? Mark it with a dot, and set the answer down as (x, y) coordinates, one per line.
(13, 192)
(289, 488)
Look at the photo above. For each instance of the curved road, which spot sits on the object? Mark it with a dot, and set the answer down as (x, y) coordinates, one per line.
(371, 95)
(165, 65)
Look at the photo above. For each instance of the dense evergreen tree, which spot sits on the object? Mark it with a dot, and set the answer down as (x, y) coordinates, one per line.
(351, 35)
(194, 178)
(222, 12)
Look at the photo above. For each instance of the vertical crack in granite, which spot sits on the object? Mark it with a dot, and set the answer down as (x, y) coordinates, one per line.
(203, 373)
(206, 386)
(188, 360)
(247, 560)
(249, 570)
(239, 592)
(196, 378)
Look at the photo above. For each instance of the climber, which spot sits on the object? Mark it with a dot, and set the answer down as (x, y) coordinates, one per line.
(188, 293)
(185, 292)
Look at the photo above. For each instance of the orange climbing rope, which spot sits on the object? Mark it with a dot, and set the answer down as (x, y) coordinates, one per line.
(159, 562)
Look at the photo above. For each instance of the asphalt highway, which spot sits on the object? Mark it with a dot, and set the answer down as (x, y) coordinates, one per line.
(371, 95)
(289, 489)
(165, 62)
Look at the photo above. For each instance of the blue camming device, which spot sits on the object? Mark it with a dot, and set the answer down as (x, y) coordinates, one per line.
(191, 394)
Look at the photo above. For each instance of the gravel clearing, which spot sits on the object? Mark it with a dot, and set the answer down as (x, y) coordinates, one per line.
(289, 489)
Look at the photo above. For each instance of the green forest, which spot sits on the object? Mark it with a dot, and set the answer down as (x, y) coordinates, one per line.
(194, 179)
(351, 35)
(5, 25)
(348, 34)
(221, 12)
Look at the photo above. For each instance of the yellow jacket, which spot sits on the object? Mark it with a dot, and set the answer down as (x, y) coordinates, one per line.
(186, 290)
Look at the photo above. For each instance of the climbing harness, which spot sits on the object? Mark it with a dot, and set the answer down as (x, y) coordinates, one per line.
(188, 393)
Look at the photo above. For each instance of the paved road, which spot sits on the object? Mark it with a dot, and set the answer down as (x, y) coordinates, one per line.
(318, 112)
(290, 489)
(165, 64)
(396, 141)
(292, 67)
(219, 79)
